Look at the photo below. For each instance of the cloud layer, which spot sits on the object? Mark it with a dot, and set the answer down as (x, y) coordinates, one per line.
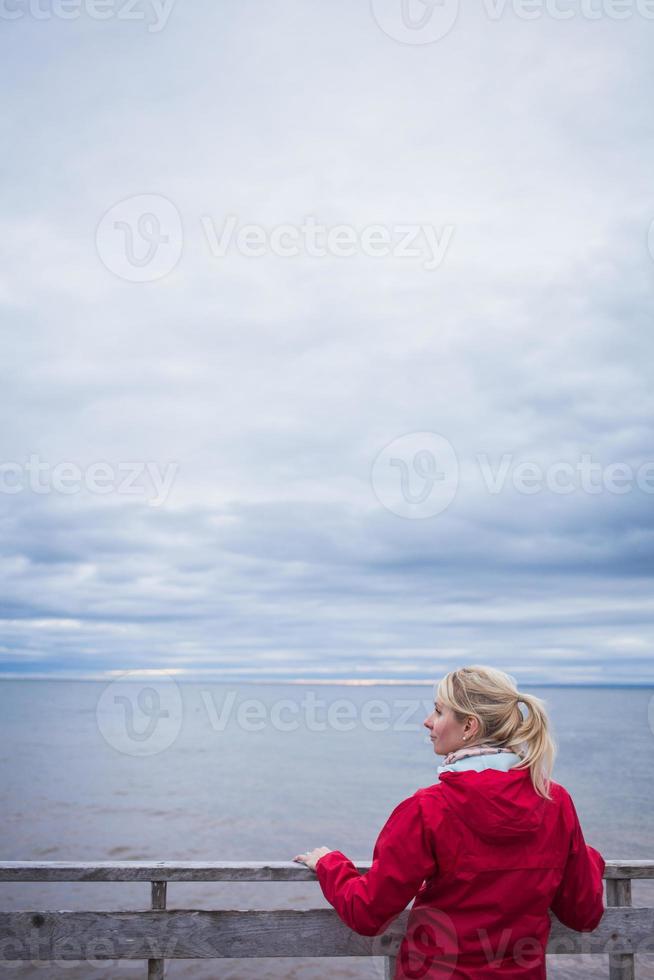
(269, 385)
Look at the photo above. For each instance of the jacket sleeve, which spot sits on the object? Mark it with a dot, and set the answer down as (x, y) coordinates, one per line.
(401, 861)
(579, 901)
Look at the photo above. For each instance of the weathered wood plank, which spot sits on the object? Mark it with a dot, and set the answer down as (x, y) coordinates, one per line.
(629, 869)
(214, 870)
(183, 934)
(160, 871)
(176, 934)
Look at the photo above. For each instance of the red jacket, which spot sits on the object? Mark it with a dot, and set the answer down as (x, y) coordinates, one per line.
(485, 858)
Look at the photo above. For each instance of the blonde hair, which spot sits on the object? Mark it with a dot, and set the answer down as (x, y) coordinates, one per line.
(493, 698)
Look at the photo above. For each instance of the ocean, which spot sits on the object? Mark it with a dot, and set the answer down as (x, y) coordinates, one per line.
(263, 771)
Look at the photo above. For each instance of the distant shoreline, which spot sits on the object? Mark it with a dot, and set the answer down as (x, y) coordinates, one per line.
(332, 681)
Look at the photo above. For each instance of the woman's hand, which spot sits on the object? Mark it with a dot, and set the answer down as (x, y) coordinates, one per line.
(311, 857)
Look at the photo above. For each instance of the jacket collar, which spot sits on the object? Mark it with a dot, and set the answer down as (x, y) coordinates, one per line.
(479, 757)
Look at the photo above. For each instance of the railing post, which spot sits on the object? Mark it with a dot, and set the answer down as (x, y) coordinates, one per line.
(158, 902)
(389, 967)
(621, 965)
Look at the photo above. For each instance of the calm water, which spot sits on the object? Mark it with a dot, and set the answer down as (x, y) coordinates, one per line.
(194, 772)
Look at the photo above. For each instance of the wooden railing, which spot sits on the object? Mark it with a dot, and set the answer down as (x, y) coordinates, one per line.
(159, 933)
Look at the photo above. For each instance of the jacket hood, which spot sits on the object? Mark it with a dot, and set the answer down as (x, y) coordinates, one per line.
(497, 806)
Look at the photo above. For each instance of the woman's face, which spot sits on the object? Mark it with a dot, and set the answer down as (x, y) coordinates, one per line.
(445, 732)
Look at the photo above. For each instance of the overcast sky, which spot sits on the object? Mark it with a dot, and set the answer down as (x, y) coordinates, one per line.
(313, 465)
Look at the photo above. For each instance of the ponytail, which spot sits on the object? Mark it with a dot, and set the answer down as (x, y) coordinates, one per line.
(534, 741)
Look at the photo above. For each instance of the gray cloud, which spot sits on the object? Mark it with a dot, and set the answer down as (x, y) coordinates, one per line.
(273, 383)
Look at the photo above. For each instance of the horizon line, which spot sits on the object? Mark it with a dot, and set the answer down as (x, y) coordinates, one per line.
(174, 674)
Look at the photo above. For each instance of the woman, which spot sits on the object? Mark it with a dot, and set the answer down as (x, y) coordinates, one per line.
(486, 851)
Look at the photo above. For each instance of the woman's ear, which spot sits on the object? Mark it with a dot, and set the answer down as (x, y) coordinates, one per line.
(473, 730)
